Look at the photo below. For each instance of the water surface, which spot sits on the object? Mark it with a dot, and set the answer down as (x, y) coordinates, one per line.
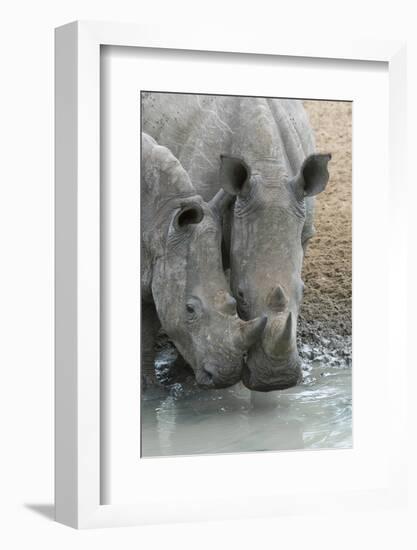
(184, 420)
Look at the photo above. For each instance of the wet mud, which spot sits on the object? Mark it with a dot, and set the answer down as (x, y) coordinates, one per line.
(325, 321)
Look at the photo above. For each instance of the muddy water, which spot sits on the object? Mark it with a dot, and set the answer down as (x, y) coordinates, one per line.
(181, 419)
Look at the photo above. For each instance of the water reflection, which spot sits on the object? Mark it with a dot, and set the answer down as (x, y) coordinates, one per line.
(184, 420)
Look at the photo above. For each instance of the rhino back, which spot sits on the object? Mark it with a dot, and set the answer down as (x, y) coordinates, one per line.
(199, 128)
(195, 128)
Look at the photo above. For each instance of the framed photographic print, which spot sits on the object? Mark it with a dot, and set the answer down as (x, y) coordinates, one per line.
(228, 213)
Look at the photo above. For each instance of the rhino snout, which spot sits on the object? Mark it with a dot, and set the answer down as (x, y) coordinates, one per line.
(212, 375)
(264, 373)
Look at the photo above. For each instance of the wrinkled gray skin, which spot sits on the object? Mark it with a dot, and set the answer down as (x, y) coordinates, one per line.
(262, 152)
(182, 273)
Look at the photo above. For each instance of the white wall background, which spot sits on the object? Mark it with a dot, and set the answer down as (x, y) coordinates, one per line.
(26, 284)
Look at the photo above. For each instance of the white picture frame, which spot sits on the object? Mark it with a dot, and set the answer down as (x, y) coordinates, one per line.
(78, 410)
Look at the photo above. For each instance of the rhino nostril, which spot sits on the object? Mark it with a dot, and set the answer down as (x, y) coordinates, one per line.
(213, 377)
(208, 374)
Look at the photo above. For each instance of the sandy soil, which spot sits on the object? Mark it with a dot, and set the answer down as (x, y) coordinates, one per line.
(327, 268)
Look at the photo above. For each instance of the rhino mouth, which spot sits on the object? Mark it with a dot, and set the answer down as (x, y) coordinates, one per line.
(263, 373)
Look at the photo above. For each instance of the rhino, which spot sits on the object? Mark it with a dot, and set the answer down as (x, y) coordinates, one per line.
(260, 151)
(184, 289)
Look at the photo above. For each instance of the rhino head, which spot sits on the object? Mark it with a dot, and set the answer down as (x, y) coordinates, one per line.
(192, 298)
(266, 255)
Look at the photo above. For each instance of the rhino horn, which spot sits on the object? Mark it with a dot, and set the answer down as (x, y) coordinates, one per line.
(284, 341)
(251, 331)
(277, 299)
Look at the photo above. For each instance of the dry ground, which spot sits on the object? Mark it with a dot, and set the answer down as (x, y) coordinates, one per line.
(327, 268)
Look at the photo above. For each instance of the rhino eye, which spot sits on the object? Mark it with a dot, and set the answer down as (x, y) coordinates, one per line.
(193, 309)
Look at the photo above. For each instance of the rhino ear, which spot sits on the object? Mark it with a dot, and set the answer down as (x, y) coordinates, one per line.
(313, 176)
(188, 215)
(234, 175)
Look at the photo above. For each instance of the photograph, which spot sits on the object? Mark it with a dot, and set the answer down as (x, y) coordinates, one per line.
(246, 274)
